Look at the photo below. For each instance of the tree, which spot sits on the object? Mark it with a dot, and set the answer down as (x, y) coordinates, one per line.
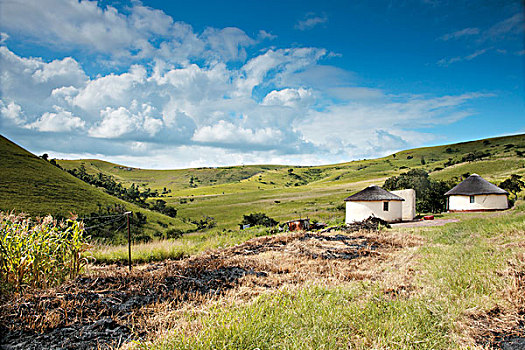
(44, 156)
(513, 184)
(261, 219)
(429, 193)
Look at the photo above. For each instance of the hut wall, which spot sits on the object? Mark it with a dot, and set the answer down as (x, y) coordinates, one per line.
(408, 208)
(481, 202)
(361, 210)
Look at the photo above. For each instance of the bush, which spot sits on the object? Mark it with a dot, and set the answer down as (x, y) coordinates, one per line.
(258, 219)
(173, 233)
(40, 253)
(429, 193)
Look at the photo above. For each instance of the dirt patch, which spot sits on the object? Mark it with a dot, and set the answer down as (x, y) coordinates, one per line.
(110, 306)
(425, 223)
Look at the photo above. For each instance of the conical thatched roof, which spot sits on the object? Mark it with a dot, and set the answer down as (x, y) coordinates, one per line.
(473, 185)
(374, 193)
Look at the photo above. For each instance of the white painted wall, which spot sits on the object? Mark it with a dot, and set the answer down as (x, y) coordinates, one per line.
(408, 207)
(481, 202)
(359, 211)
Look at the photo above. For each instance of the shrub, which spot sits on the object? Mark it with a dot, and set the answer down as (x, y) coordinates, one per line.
(173, 233)
(41, 252)
(260, 219)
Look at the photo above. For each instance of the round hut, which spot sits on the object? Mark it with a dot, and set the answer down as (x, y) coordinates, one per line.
(373, 201)
(476, 194)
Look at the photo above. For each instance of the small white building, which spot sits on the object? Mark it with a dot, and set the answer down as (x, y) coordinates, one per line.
(476, 194)
(373, 201)
(408, 208)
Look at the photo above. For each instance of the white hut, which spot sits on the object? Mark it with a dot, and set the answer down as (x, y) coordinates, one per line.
(373, 201)
(476, 194)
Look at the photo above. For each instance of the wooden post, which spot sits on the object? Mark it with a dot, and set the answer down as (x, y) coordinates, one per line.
(128, 213)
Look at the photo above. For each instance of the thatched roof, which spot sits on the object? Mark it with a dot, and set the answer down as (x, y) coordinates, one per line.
(473, 185)
(374, 193)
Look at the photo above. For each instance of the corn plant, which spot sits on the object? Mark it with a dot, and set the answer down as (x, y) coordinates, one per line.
(40, 252)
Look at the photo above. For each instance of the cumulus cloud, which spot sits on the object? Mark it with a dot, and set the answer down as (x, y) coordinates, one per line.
(310, 21)
(12, 112)
(59, 121)
(293, 98)
(228, 134)
(228, 43)
(181, 98)
(134, 33)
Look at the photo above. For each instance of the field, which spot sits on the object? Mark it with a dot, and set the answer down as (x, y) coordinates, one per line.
(287, 192)
(456, 286)
(32, 185)
(461, 285)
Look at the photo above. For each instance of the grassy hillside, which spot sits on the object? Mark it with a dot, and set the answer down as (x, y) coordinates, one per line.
(285, 192)
(34, 186)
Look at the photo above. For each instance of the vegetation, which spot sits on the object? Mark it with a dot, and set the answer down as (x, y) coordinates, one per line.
(454, 291)
(288, 192)
(133, 194)
(183, 246)
(39, 253)
(34, 186)
(229, 193)
(258, 219)
(513, 185)
(430, 194)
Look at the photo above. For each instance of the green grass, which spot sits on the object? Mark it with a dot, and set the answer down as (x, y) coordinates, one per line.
(316, 318)
(461, 270)
(175, 249)
(228, 193)
(34, 186)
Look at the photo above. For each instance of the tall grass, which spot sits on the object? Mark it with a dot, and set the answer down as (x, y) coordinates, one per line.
(39, 252)
(185, 246)
(316, 318)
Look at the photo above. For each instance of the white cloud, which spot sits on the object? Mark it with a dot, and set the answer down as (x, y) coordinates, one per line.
(12, 112)
(134, 33)
(360, 129)
(311, 20)
(510, 26)
(115, 123)
(110, 90)
(355, 93)
(228, 134)
(228, 43)
(263, 35)
(460, 34)
(293, 98)
(60, 121)
(445, 62)
(198, 99)
(3, 37)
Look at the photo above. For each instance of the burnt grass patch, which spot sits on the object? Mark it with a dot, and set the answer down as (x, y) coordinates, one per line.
(101, 310)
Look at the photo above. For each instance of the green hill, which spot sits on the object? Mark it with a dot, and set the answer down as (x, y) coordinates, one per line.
(34, 186)
(285, 192)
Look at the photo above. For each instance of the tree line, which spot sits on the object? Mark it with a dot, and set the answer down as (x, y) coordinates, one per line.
(132, 194)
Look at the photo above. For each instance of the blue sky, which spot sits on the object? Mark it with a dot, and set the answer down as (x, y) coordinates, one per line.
(174, 84)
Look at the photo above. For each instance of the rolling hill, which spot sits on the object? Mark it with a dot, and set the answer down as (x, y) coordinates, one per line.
(285, 192)
(32, 185)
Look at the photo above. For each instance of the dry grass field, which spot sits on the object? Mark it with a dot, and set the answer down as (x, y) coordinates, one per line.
(460, 285)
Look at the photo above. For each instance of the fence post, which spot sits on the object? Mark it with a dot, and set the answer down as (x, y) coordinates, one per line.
(128, 213)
